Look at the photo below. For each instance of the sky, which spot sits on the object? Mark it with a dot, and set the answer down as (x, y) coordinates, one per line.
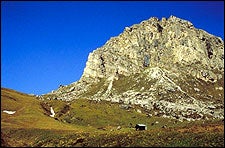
(45, 44)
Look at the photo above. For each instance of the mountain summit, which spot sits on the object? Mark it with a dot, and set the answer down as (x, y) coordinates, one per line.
(166, 66)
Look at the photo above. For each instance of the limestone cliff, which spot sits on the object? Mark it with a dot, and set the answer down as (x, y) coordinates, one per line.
(162, 43)
(167, 66)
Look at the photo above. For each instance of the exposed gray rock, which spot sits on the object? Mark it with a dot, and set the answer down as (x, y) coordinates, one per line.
(166, 66)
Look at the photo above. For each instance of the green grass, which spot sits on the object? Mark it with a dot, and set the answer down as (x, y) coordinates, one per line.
(85, 122)
(29, 112)
(155, 138)
(96, 88)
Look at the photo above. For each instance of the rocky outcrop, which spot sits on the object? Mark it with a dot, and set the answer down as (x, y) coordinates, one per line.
(166, 66)
(162, 43)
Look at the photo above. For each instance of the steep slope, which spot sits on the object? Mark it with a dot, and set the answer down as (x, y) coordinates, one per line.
(166, 66)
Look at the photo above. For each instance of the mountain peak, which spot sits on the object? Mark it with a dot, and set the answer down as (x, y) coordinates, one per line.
(164, 42)
(162, 65)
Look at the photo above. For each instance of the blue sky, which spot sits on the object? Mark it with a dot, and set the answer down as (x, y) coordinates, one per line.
(45, 44)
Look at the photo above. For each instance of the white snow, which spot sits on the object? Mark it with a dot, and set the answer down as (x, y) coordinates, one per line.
(9, 112)
(52, 112)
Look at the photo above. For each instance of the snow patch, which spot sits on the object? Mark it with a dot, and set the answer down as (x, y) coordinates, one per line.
(9, 112)
(52, 112)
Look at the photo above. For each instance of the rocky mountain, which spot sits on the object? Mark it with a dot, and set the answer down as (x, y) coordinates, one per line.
(167, 66)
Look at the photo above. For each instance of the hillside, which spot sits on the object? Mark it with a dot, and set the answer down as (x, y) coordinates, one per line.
(84, 122)
(167, 66)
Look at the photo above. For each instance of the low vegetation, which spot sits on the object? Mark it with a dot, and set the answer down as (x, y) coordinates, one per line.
(91, 123)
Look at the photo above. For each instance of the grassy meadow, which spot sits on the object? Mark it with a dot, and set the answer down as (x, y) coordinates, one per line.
(89, 123)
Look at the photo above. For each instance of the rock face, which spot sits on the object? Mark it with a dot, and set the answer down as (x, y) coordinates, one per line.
(167, 66)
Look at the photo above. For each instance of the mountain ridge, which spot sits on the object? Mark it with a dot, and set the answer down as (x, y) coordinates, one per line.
(160, 64)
